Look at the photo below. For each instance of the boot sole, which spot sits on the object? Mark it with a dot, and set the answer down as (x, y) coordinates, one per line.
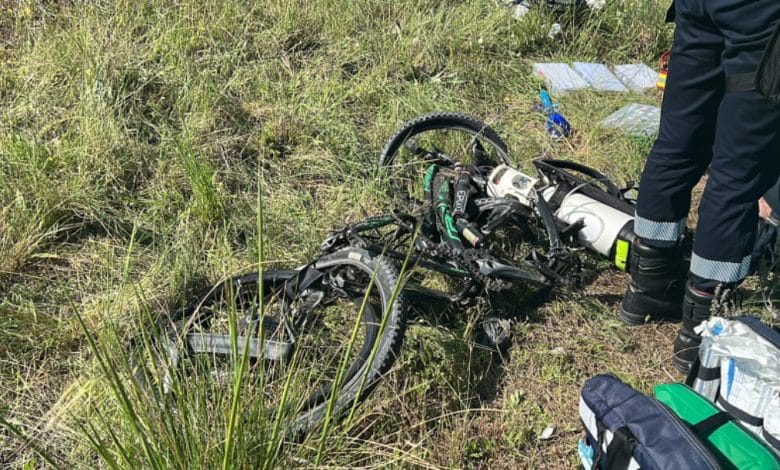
(631, 319)
(634, 319)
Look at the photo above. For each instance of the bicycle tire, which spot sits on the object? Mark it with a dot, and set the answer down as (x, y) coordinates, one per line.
(436, 121)
(441, 120)
(360, 386)
(360, 377)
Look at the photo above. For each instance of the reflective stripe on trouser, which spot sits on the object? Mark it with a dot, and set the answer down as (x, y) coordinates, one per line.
(721, 271)
(737, 135)
(651, 230)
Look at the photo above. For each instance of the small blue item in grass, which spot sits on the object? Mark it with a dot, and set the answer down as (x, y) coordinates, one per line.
(557, 125)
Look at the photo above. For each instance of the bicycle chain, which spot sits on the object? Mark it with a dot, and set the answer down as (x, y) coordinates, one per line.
(471, 256)
(467, 259)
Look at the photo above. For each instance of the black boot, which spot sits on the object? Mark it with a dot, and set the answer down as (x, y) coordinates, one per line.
(697, 306)
(656, 288)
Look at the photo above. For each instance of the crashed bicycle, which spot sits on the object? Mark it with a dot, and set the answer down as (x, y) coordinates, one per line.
(334, 326)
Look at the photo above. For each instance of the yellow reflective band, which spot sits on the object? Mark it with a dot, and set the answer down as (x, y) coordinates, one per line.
(621, 254)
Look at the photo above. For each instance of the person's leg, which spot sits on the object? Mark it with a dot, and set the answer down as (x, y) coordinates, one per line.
(745, 164)
(677, 161)
(744, 167)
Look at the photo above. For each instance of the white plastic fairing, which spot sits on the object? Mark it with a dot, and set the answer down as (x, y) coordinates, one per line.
(505, 181)
(602, 223)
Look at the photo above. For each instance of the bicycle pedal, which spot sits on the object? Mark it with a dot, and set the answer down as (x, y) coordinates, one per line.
(310, 299)
(495, 334)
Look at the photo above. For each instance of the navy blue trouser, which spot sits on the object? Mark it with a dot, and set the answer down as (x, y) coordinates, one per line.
(736, 134)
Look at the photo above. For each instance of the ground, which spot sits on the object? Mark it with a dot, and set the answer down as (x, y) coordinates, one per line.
(142, 142)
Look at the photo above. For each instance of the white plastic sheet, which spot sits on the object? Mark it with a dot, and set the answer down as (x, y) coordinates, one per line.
(560, 77)
(599, 77)
(637, 77)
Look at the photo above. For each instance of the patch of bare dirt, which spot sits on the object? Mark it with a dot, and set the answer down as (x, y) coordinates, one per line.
(696, 194)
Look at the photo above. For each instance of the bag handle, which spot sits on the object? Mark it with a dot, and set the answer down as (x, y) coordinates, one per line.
(619, 451)
(709, 425)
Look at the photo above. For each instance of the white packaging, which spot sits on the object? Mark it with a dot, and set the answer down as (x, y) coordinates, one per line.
(637, 77)
(772, 417)
(708, 359)
(749, 370)
(599, 77)
(733, 338)
(743, 388)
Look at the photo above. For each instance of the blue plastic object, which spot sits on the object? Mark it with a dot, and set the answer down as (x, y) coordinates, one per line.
(557, 125)
(547, 103)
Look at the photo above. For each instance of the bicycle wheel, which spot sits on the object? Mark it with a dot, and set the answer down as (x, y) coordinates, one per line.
(308, 332)
(444, 138)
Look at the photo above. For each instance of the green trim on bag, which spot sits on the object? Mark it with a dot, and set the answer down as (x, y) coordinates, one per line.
(733, 446)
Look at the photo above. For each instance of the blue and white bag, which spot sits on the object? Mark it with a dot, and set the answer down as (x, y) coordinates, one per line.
(628, 430)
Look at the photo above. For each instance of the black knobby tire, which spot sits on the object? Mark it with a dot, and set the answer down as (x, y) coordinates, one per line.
(361, 382)
(405, 177)
(379, 341)
(441, 120)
